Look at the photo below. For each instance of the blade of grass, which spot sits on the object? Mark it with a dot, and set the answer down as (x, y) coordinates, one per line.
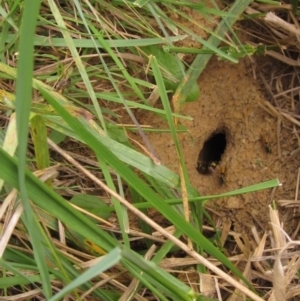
(252, 188)
(183, 171)
(87, 43)
(23, 101)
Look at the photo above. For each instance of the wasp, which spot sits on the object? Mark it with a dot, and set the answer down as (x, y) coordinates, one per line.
(266, 143)
(222, 174)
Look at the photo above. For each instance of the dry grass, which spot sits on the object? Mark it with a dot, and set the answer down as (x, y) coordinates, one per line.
(278, 74)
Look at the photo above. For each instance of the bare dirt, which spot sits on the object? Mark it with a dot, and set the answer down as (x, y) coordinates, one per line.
(230, 98)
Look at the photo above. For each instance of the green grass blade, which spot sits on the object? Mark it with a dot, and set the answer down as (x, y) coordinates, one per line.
(88, 43)
(252, 188)
(23, 102)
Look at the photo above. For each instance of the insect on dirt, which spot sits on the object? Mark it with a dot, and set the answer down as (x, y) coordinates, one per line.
(222, 174)
(266, 143)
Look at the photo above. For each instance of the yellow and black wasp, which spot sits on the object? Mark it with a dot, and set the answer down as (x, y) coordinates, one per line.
(222, 174)
(266, 143)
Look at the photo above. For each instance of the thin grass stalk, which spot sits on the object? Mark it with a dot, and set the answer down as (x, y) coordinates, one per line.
(173, 126)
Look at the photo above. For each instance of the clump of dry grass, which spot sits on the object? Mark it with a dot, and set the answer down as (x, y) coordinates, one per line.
(278, 27)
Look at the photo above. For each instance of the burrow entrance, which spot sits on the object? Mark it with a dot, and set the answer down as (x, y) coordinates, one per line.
(212, 151)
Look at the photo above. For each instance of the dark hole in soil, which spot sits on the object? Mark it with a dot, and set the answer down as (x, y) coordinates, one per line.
(212, 151)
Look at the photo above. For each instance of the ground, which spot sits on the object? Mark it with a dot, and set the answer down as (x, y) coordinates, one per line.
(230, 97)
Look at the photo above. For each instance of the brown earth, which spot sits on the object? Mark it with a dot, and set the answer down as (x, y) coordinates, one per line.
(230, 98)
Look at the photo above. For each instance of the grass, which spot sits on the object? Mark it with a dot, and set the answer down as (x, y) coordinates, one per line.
(68, 70)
